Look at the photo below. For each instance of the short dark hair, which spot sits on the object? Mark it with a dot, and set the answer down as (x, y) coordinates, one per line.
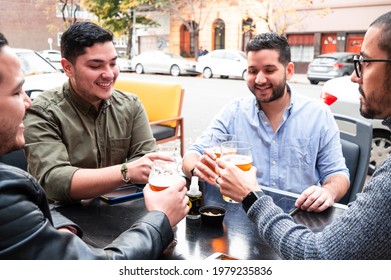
(80, 36)
(271, 41)
(3, 42)
(384, 22)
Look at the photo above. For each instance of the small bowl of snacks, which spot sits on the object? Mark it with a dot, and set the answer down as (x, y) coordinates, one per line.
(212, 215)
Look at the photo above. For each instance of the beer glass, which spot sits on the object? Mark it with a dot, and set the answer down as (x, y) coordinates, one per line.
(173, 151)
(238, 153)
(215, 143)
(163, 174)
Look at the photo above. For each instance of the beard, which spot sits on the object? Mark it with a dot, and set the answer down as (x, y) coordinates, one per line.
(373, 108)
(277, 92)
(9, 143)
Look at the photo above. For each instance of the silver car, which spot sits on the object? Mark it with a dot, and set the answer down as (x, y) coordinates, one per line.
(163, 63)
(223, 63)
(331, 65)
(343, 97)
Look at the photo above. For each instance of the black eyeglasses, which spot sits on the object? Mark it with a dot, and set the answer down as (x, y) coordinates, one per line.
(358, 60)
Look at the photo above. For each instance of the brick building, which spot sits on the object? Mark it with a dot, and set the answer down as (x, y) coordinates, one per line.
(229, 24)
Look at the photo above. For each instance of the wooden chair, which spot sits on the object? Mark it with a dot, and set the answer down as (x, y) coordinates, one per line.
(163, 104)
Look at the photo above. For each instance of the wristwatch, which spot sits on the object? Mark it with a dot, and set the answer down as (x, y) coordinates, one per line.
(249, 199)
(124, 171)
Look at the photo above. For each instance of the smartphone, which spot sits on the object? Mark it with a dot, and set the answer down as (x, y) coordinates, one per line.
(123, 193)
(287, 204)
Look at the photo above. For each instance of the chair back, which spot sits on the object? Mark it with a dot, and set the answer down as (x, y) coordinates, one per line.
(163, 104)
(161, 100)
(356, 141)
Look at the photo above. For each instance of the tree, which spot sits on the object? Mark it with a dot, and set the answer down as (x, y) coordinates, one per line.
(280, 14)
(120, 16)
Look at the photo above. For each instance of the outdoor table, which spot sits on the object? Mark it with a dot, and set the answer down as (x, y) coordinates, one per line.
(237, 237)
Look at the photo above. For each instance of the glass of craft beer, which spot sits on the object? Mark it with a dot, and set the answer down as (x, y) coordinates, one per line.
(163, 174)
(238, 153)
(172, 151)
(215, 143)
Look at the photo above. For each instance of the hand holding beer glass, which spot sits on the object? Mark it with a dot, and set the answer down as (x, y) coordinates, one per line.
(238, 153)
(215, 146)
(163, 174)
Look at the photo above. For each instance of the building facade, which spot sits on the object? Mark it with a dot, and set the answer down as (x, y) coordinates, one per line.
(326, 26)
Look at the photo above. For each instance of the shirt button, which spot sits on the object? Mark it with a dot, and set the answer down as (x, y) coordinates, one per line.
(274, 141)
(266, 123)
(274, 162)
(274, 183)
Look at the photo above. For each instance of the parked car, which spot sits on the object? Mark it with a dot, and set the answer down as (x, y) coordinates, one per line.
(124, 64)
(39, 73)
(163, 63)
(53, 56)
(343, 97)
(331, 65)
(223, 63)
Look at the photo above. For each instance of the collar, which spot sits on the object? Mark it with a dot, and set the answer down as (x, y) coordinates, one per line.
(80, 103)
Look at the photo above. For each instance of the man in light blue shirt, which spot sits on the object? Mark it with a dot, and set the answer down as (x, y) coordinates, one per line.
(295, 140)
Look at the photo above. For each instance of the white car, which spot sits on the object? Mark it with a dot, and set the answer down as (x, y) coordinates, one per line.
(163, 63)
(223, 63)
(343, 97)
(124, 64)
(53, 56)
(39, 74)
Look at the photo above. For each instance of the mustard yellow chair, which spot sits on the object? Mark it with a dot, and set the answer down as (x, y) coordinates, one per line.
(163, 104)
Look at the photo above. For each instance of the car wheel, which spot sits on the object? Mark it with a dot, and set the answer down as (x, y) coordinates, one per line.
(381, 148)
(139, 69)
(175, 71)
(207, 73)
(314, 82)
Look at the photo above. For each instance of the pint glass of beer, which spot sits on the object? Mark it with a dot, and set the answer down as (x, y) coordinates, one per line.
(238, 153)
(163, 174)
(215, 143)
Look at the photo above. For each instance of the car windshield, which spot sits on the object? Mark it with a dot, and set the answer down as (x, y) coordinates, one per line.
(243, 54)
(32, 64)
(324, 60)
(174, 56)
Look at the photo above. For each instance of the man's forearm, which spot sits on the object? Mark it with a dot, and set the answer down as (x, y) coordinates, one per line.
(337, 185)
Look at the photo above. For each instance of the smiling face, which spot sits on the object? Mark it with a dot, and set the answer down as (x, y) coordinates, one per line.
(94, 73)
(375, 90)
(13, 102)
(266, 76)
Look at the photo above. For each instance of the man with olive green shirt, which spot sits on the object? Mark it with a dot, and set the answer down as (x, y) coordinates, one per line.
(79, 135)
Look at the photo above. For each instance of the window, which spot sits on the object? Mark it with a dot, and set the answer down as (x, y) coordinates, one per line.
(218, 34)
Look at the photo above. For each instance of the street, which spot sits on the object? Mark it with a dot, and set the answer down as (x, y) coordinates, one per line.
(205, 97)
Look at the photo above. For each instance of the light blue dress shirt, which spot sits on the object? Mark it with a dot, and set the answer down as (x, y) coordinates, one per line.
(305, 150)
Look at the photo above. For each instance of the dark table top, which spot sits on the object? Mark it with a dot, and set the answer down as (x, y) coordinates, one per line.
(238, 237)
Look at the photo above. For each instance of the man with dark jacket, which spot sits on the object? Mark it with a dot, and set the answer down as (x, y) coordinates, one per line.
(28, 229)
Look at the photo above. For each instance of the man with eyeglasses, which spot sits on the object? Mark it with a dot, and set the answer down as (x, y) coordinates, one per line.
(364, 230)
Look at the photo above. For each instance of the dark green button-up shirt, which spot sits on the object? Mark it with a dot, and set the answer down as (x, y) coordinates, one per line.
(64, 133)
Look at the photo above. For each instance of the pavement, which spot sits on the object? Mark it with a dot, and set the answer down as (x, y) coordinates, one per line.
(299, 79)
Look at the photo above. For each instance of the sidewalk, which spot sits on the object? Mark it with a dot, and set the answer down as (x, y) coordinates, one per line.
(300, 79)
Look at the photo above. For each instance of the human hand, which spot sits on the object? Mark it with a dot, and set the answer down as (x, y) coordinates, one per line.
(234, 182)
(315, 199)
(206, 166)
(172, 201)
(138, 170)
